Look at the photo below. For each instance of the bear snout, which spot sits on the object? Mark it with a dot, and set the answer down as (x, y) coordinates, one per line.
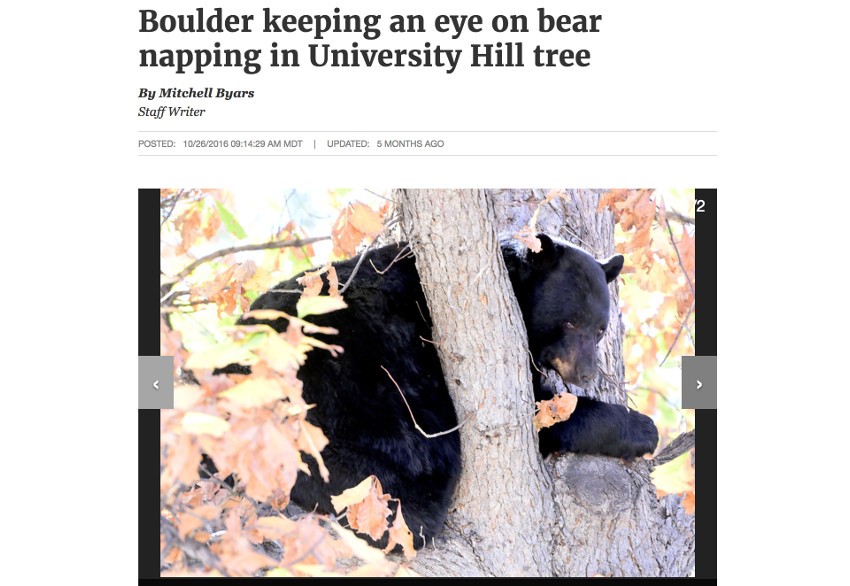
(574, 374)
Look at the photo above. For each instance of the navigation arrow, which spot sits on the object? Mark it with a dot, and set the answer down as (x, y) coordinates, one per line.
(156, 384)
(699, 385)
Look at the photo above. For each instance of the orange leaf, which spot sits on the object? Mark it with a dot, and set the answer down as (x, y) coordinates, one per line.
(312, 441)
(355, 222)
(558, 408)
(369, 514)
(312, 282)
(333, 282)
(528, 237)
(401, 535)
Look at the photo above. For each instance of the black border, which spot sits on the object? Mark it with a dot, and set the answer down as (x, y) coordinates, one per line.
(706, 419)
(149, 272)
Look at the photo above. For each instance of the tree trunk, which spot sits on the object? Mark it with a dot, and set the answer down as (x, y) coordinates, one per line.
(513, 514)
(488, 374)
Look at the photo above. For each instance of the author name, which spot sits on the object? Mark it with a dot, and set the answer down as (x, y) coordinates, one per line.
(204, 92)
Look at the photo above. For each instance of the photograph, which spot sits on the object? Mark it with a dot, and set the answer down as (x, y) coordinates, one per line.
(416, 382)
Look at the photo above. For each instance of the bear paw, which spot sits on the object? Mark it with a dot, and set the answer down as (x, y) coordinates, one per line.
(642, 436)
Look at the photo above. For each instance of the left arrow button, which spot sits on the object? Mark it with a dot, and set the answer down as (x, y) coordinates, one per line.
(156, 384)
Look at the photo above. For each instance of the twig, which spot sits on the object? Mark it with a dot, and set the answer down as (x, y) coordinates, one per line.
(422, 431)
(173, 205)
(360, 261)
(402, 254)
(385, 198)
(362, 258)
(587, 245)
(676, 248)
(609, 378)
(171, 295)
(680, 217)
(192, 303)
(659, 393)
(531, 359)
(679, 333)
(565, 228)
(356, 268)
(677, 447)
(422, 314)
(264, 246)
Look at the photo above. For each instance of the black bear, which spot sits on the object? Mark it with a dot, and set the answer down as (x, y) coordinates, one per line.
(563, 294)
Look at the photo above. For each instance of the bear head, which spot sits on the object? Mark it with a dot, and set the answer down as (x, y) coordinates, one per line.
(567, 307)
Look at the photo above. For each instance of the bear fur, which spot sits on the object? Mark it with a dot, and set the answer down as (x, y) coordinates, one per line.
(563, 294)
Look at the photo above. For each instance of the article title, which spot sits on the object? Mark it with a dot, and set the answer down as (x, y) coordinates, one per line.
(320, 52)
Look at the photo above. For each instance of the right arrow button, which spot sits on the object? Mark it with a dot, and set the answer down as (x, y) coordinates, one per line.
(699, 382)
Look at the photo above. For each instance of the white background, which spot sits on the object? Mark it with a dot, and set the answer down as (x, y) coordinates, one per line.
(769, 77)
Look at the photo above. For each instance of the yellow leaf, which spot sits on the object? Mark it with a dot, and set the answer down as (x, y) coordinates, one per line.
(404, 572)
(203, 423)
(315, 570)
(353, 495)
(266, 315)
(358, 547)
(187, 396)
(281, 354)
(254, 392)
(677, 477)
(219, 356)
(319, 304)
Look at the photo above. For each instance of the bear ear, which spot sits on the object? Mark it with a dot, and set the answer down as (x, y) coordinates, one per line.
(547, 255)
(612, 267)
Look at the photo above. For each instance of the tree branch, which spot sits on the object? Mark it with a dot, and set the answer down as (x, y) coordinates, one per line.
(680, 217)
(264, 246)
(176, 198)
(677, 447)
(679, 333)
(676, 248)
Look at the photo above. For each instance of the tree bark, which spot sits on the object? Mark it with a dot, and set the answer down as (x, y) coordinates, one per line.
(503, 503)
(513, 513)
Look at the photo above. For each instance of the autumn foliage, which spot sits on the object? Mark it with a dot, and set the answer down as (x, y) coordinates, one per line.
(253, 427)
(655, 233)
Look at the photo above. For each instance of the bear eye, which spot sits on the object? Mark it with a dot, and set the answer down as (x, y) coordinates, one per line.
(569, 325)
(601, 331)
